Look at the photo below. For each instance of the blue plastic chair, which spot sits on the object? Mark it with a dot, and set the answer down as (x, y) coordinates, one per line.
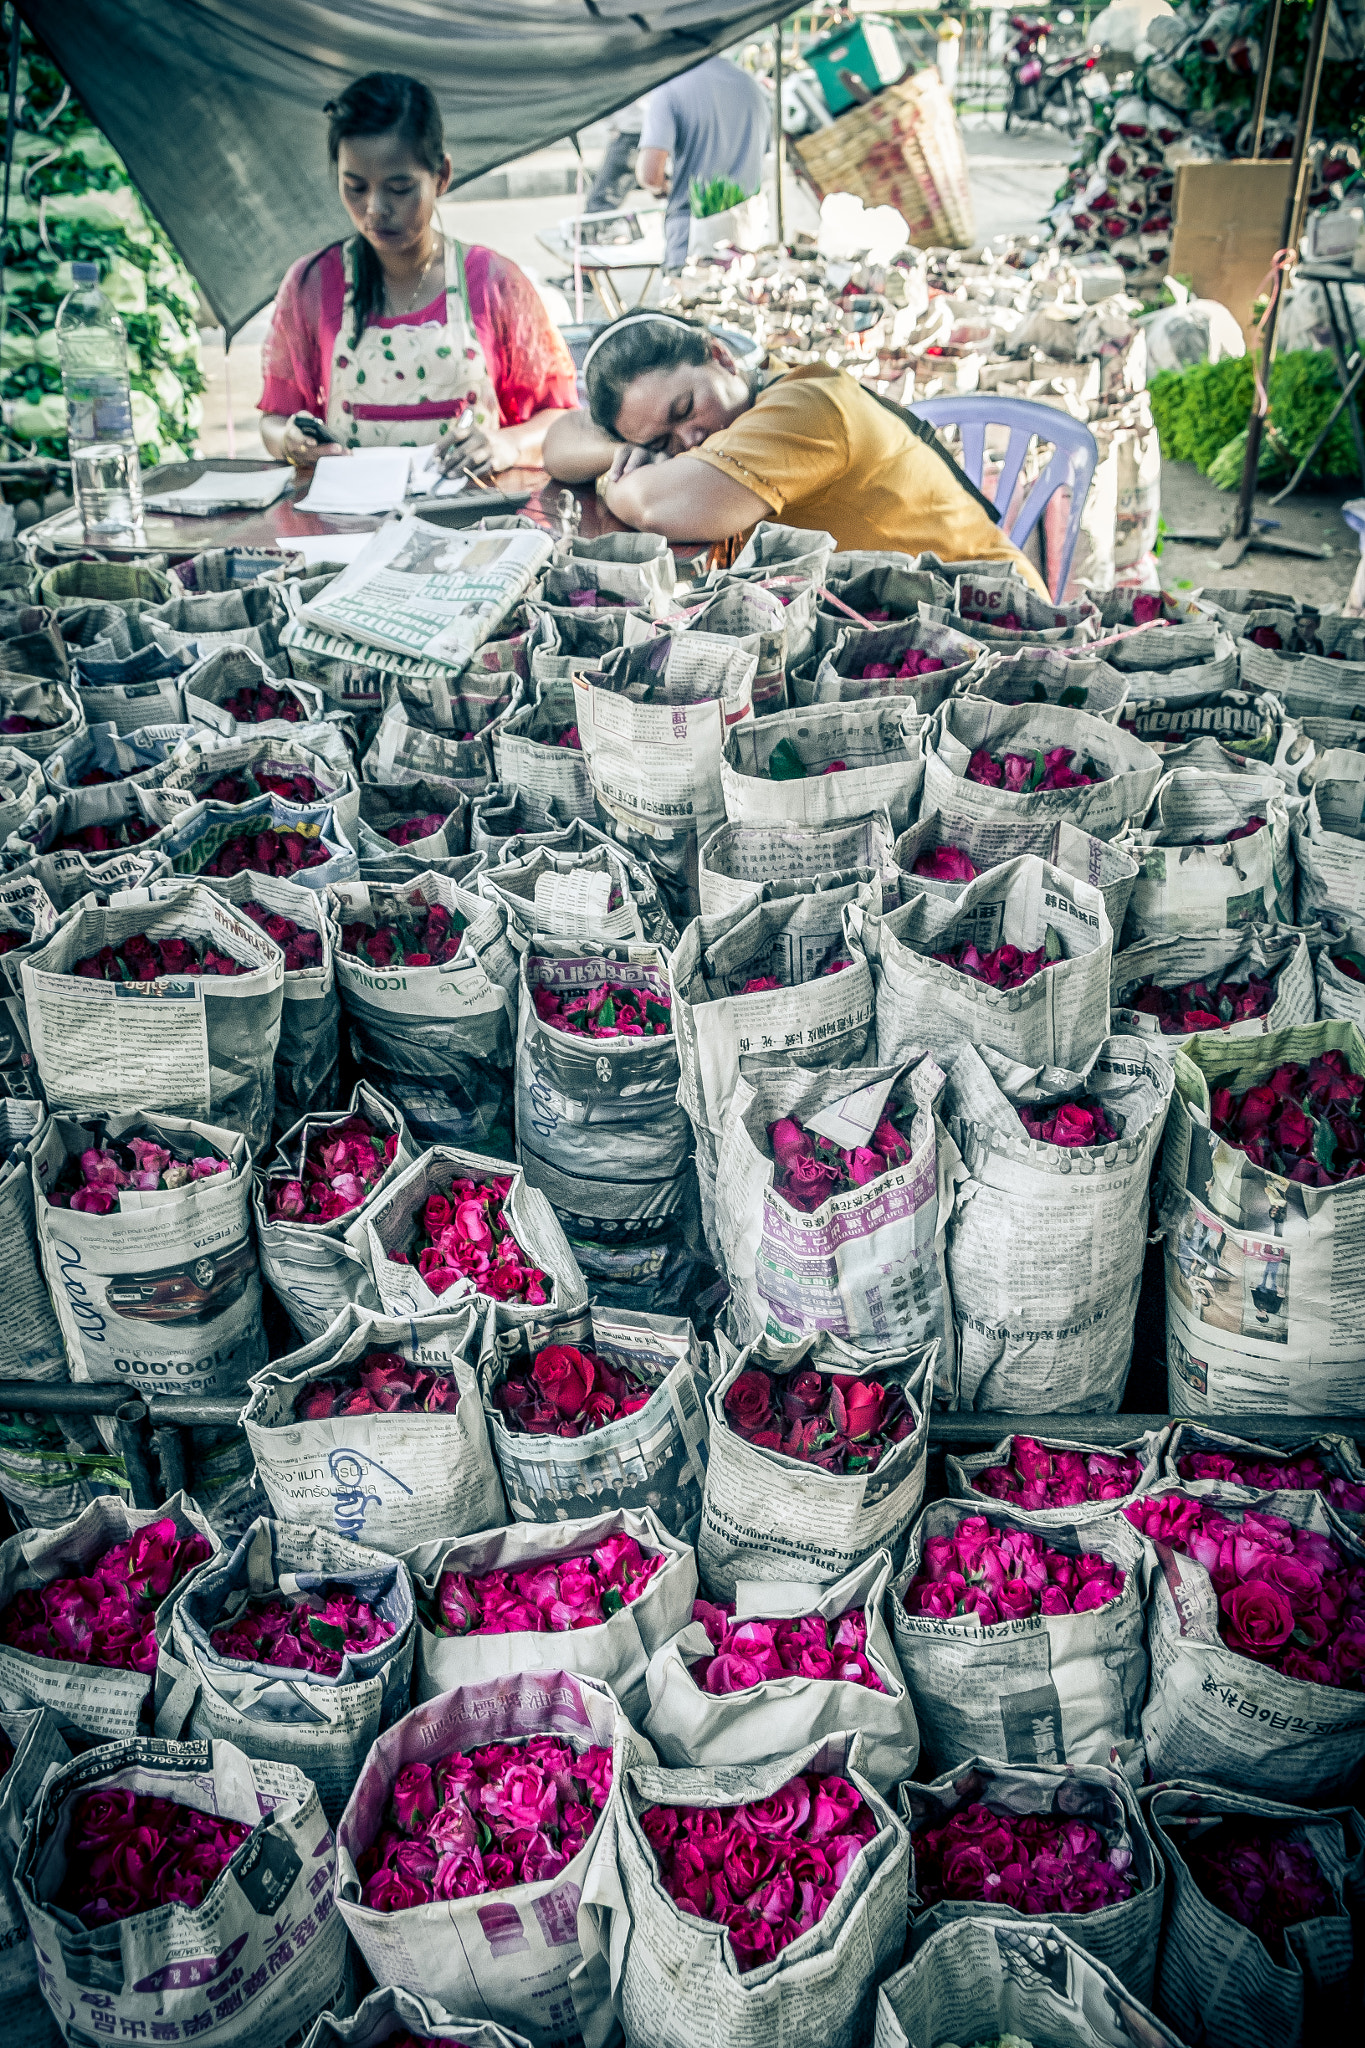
(1074, 455)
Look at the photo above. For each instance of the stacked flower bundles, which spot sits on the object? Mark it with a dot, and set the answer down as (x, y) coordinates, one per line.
(1254, 1602)
(375, 1431)
(231, 697)
(987, 1600)
(1202, 1457)
(1057, 1482)
(291, 1608)
(472, 1825)
(764, 1675)
(898, 658)
(1244, 983)
(1213, 853)
(1042, 1841)
(795, 1424)
(824, 764)
(755, 1897)
(312, 1197)
(603, 1594)
(1002, 608)
(305, 844)
(79, 1606)
(736, 861)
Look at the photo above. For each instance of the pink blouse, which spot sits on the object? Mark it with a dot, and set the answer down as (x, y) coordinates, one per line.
(528, 358)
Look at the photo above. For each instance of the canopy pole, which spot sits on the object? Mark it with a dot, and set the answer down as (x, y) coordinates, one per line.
(1263, 82)
(779, 134)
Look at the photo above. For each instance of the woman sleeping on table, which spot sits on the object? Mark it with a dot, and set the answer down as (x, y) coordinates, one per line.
(694, 448)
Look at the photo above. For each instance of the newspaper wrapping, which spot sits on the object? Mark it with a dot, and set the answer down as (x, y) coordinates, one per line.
(52, 1467)
(627, 569)
(212, 682)
(994, 824)
(203, 764)
(270, 1917)
(406, 750)
(65, 876)
(1309, 685)
(501, 814)
(788, 550)
(578, 884)
(982, 1979)
(100, 1702)
(391, 2014)
(850, 759)
(27, 917)
(813, 1016)
(1340, 994)
(744, 612)
(1029, 1338)
(399, 865)
(888, 592)
(689, 1725)
(1264, 1312)
(653, 722)
(36, 1740)
(21, 786)
(794, 591)
(55, 711)
(60, 839)
(1215, 1715)
(600, 1130)
(210, 622)
(200, 1045)
(1038, 1689)
(531, 751)
(512, 1954)
(1331, 859)
(439, 1039)
(391, 1223)
(1104, 866)
(867, 1265)
(1072, 678)
(566, 638)
(155, 697)
(738, 863)
(963, 1475)
(385, 1481)
(323, 1726)
(1191, 708)
(1339, 1457)
(199, 834)
(768, 1517)
(1275, 953)
(1193, 878)
(1240, 610)
(616, 1651)
(31, 1345)
(1056, 1018)
(316, 1269)
(1001, 608)
(162, 1293)
(1219, 1982)
(654, 1458)
(674, 1980)
(865, 662)
(1125, 1936)
(384, 806)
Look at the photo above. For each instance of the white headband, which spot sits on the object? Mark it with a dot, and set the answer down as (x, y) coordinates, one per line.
(631, 320)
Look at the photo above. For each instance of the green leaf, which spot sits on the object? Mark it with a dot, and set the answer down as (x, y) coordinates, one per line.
(1039, 769)
(1074, 696)
(612, 1602)
(1225, 1007)
(326, 1633)
(606, 1014)
(1324, 1144)
(1357, 961)
(785, 764)
(656, 1013)
(1052, 944)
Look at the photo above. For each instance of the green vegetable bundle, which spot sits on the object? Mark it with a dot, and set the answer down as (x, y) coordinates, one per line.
(1202, 415)
(716, 197)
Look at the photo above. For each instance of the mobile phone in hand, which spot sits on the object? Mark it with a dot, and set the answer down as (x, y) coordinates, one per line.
(312, 428)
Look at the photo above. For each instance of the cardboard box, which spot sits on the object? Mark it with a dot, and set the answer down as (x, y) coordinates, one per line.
(1228, 221)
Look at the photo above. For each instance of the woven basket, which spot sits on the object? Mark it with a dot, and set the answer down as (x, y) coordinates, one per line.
(903, 149)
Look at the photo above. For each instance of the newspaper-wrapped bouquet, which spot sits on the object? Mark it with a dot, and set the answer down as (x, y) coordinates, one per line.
(740, 865)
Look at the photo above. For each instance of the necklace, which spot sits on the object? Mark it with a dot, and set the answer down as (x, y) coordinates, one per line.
(414, 295)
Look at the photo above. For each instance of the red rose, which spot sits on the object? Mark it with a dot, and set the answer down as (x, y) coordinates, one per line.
(1257, 1619)
(749, 1402)
(564, 1376)
(858, 1406)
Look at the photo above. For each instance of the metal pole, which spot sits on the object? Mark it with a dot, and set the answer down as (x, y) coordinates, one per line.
(130, 1428)
(1263, 82)
(779, 134)
(1308, 102)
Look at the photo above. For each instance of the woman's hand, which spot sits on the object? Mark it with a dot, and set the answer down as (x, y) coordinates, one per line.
(628, 458)
(482, 452)
(296, 447)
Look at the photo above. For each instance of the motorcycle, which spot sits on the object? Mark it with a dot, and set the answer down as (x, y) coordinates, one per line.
(1043, 87)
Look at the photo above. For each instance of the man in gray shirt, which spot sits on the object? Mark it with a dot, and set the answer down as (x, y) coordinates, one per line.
(711, 122)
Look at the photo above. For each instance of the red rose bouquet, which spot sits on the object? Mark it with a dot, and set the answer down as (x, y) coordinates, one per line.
(1021, 773)
(606, 1012)
(1037, 1477)
(945, 864)
(1252, 1871)
(514, 1813)
(257, 702)
(1079, 1121)
(465, 1235)
(1303, 1122)
(1007, 967)
(341, 1163)
(749, 1651)
(278, 850)
(1036, 1862)
(265, 779)
(825, 1419)
(1295, 1475)
(128, 1852)
(1008, 622)
(567, 1392)
(913, 663)
(408, 829)
(1287, 1597)
(301, 947)
(1002, 1574)
(302, 1632)
(91, 1180)
(766, 1871)
(810, 1168)
(106, 1614)
(139, 958)
(546, 1597)
(380, 1383)
(1201, 1006)
(417, 934)
(571, 738)
(114, 834)
(14, 721)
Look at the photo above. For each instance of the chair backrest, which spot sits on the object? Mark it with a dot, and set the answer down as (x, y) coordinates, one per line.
(1074, 455)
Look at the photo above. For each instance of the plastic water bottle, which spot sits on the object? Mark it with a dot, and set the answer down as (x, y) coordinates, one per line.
(106, 475)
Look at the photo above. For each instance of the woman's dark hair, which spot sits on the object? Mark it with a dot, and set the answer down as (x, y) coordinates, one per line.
(632, 345)
(378, 104)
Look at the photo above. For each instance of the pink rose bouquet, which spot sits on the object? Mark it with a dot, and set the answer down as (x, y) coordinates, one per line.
(913, 663)
(1008, 622)
(419, 935)
(1037, 1477)
(1079, 1121)
(1007, 967)
(92, 1180)
(14, 721)
(766, 1871)
(831, 1420)
(1267, 1475)
(303, 1631)
(1251, 1870)
(749, 1651)
(1287, 1597)
(567, 1392)
(1303, 1122)
(465, 1235)
(810, 1168)
(1023, 772)
(11, 941)
(1197, 1006)
(606, 1012)
(555, 1593)
(1003, 1574)
(139, 958)
(945, 864)
(265, 779)
(128, 1852)
(258, 702)
(408, 829)
(106, 1614)
(1247, 831)
(1036, 1862)
(277, 850)
(514, 1813)
(301, 947)
(341, 1164)
(380, 1383)
(106, 838)
(570, 737)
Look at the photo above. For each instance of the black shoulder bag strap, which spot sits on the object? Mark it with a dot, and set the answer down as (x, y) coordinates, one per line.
(924, 432)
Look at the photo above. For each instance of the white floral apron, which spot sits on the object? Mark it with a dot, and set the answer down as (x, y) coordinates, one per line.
(406, 386)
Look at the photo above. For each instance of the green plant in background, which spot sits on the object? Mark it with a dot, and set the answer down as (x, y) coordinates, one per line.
(1202, 413)
(71, 200)
(718, 196)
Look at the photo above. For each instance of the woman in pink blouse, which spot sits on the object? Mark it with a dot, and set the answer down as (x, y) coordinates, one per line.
(400, 337)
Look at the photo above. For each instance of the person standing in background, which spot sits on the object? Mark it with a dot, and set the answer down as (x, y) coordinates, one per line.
(710, 122)
(617, 173)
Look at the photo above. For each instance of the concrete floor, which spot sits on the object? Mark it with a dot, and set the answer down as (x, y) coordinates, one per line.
(1189, 503)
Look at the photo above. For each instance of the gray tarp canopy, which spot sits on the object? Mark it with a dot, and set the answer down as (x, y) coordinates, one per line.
(215, 105)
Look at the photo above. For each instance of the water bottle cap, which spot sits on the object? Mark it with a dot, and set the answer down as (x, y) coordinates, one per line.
(85, 273)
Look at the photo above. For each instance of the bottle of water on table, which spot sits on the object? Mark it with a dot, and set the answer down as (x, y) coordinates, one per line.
(106, 476)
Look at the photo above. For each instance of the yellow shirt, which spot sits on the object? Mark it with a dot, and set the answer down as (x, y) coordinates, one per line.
(823, 453)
